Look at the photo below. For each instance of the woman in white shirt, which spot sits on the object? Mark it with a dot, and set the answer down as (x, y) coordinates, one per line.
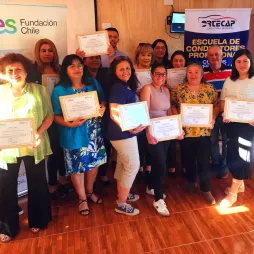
(239, 85)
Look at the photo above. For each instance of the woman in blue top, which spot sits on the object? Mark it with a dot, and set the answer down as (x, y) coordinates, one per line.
(81, 139)
(123, 91)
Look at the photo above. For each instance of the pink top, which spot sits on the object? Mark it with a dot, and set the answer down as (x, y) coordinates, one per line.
(159, 102)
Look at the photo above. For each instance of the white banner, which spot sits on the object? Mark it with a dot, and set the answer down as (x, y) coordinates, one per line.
(22, 25)
(22, 182)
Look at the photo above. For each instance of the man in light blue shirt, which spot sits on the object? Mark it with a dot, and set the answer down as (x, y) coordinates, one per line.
(113, 36)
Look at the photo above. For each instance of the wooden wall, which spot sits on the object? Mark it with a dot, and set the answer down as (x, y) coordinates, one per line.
(144, 20)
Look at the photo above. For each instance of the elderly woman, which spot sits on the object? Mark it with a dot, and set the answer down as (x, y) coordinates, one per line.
(81, 139)
(144, 56)
(20, 99)
(239, 85)
(196, 145)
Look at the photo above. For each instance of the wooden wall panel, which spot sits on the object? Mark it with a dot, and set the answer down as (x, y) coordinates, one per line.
(144, 20)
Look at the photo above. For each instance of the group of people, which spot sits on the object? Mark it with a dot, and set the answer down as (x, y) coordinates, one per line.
(81, 148)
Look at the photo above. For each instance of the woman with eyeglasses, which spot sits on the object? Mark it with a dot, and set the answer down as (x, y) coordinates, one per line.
(123, 91)
(20, 98)
(47, 62)
(81, 139)
(160, 49)
(158, 99)
(240, 136)
(196, 145)
(179, 60)
(144, 58)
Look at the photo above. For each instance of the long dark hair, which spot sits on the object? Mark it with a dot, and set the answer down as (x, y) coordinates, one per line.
(132, 82)
(235, 74)
(165, 58)
(64, 78)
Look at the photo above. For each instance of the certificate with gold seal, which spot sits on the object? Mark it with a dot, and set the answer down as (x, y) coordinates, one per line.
(94, 44)
(239, 110)
(17, 132)
(197, 115)
(84, 105)
(133, 114)
(166, 128)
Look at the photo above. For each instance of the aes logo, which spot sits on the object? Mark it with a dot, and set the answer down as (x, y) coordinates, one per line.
(8, 26)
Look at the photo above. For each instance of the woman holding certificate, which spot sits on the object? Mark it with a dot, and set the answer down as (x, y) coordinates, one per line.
(123, 91)
(47, 62)
(158, 99)
(239, 86)
(81, 138)
(196, 145)
(21, 99)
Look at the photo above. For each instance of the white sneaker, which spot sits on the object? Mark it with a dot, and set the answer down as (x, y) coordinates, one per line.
(151, 192)
(161, 207)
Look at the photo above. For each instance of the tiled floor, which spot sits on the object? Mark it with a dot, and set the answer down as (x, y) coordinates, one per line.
(192, 227)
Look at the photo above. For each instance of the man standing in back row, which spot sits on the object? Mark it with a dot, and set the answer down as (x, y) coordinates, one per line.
(216, 74)
(113, 36)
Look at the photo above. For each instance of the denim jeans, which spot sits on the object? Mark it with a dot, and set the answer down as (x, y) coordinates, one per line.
(217, 130)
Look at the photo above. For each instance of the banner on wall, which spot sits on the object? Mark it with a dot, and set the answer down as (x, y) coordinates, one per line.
(227, 28)
(22, 25)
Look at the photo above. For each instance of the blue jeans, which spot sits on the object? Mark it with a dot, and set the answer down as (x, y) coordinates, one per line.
(217, 130)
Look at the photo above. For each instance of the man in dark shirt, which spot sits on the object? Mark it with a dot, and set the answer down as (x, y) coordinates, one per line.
(216, 74)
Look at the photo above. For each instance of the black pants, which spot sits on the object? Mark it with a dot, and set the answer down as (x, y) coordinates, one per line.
(104, 167)
(158, 154)
(39, 211)
(196, 155)
(240, 149)
(144, 157)
(171, 157)
(56, 160)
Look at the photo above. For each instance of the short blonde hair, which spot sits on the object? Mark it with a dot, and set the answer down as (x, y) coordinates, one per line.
(142, 49)
(55, 62)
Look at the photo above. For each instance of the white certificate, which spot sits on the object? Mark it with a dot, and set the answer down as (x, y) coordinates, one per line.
(241, 111)
(133, 114)
(49, 81)
(176, 76)
(94, 44)
(85, 105)
(144, 77)
(196, 115)
(17, 132)
(166, 128)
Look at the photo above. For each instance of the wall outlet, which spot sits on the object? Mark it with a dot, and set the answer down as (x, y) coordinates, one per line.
(106, 25)
(169, 19)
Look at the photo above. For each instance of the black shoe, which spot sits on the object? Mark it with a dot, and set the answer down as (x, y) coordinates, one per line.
(59, 193)
(222, 175)
(20, 210)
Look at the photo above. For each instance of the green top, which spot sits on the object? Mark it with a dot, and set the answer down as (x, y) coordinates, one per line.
(35, 102)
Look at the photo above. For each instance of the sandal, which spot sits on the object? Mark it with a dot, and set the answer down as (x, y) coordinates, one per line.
(98, 200)
(83, 212)
(5, 238)
(35, 230)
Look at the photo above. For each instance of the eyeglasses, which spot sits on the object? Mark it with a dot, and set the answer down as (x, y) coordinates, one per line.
(142, 44)
(73, 66)
(162, 74)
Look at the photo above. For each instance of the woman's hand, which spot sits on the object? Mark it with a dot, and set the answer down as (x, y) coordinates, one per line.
(102, 110)
(37, 140)
(77, 122)
(80, 53)
(180, 137)
(137, 129)
(224, 120)
(212, 125)
(151, 139)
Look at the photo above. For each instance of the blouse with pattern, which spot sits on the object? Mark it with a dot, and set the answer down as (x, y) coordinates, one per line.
(182, 94)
